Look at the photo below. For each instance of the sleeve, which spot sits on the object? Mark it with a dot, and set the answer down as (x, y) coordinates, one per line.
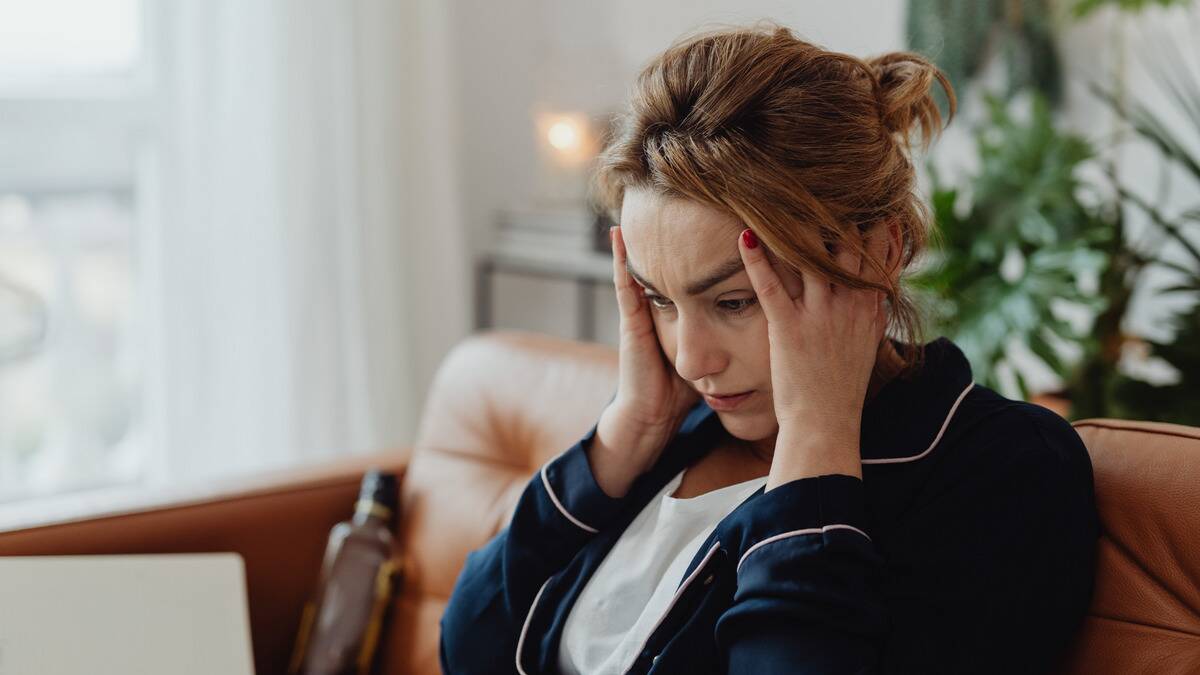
(989, 570)
(808, 596)
(561, 508)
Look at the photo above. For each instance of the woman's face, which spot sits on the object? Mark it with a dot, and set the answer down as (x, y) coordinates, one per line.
(714, 333)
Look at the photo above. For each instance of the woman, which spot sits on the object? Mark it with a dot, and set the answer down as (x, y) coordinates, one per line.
(777, 486)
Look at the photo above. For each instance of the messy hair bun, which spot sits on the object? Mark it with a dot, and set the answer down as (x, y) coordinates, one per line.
(904, 82)
(801, 144)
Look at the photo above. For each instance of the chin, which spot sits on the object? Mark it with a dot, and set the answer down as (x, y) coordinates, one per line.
(748, 427)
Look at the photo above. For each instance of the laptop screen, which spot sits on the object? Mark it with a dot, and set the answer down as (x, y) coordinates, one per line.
(156, 614)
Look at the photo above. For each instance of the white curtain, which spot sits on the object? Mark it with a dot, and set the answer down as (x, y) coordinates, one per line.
(283, 254)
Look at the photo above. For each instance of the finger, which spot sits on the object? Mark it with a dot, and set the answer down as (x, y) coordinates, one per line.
(777, 305)
(864, 300)
(792, 282)
(849, 259)
(816, 288)
(628, 292)
(873, 252)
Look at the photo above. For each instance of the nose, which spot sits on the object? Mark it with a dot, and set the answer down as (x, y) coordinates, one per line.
(698, 350)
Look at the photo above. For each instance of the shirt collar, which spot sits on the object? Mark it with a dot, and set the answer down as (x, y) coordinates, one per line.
(905, 419)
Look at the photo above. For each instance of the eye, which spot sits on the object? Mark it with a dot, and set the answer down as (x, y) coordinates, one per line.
(658, 302)
(737, 307)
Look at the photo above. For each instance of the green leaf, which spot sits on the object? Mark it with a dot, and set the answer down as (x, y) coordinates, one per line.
(1046, 352)
(1083, 8)
(1024, 198)
(1179, 288)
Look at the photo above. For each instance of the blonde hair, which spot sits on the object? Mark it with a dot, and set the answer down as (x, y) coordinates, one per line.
(798, 142)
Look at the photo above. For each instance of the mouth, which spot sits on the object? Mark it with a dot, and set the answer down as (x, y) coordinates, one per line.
(728, 401)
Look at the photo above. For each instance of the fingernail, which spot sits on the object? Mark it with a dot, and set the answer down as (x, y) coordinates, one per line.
(749, 239)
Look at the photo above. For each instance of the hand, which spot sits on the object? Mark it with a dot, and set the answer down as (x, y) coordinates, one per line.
(823, 342)
(651, 401)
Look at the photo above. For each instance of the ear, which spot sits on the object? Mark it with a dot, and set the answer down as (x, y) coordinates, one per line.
(885, 243)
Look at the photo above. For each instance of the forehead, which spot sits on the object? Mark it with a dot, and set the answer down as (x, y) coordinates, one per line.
(669, 234)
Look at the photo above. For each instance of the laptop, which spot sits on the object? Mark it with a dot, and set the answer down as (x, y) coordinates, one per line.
(129, 614)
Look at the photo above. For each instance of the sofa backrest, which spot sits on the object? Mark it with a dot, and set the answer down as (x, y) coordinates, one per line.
(504, 403)
(501, 405)
(1145, 613)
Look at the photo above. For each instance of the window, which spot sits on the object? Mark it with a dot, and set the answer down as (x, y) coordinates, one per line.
(74, 93)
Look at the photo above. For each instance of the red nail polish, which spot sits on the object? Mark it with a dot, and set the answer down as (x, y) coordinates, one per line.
(749, 239)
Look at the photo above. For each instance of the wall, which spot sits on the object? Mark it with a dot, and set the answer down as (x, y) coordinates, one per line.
(579, 55)
(515, 56)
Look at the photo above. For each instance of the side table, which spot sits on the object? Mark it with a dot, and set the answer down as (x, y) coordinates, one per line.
(586, 268)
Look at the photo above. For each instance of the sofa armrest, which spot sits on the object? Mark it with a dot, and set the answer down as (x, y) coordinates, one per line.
(278, 523)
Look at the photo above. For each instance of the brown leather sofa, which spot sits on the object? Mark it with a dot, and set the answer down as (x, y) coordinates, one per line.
(504, 403)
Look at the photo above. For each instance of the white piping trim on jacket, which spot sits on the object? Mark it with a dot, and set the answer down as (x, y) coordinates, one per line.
(561, 508)
(794, 533)
(945, 423)
(525, 626)
(678, 592)
(682, 587)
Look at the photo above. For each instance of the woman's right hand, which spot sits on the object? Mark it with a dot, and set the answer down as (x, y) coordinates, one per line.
(651, 401)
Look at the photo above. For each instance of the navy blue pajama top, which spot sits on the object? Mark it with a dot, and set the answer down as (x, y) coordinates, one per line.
(968, 546)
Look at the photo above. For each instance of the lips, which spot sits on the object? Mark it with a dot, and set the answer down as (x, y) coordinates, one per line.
(726, 402)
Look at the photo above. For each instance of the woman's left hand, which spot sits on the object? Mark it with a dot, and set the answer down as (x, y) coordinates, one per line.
(823, 342)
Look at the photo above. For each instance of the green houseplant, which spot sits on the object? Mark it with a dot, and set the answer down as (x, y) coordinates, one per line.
(1024, 245)
(1101, 389)
(1016, 242)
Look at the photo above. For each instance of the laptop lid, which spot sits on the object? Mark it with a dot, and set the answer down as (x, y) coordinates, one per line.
(129, 614)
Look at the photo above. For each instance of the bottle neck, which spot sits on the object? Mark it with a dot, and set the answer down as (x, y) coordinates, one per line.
(366, 510)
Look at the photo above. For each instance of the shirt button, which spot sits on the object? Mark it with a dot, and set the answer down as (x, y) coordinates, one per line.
(656, 658)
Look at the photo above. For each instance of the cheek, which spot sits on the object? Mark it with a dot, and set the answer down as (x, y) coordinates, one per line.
(665, 330)
(758, 349)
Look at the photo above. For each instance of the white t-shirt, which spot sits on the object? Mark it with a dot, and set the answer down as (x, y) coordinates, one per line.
(631, 590)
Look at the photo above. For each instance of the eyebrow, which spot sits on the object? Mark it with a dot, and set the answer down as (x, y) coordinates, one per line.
(721, 273)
